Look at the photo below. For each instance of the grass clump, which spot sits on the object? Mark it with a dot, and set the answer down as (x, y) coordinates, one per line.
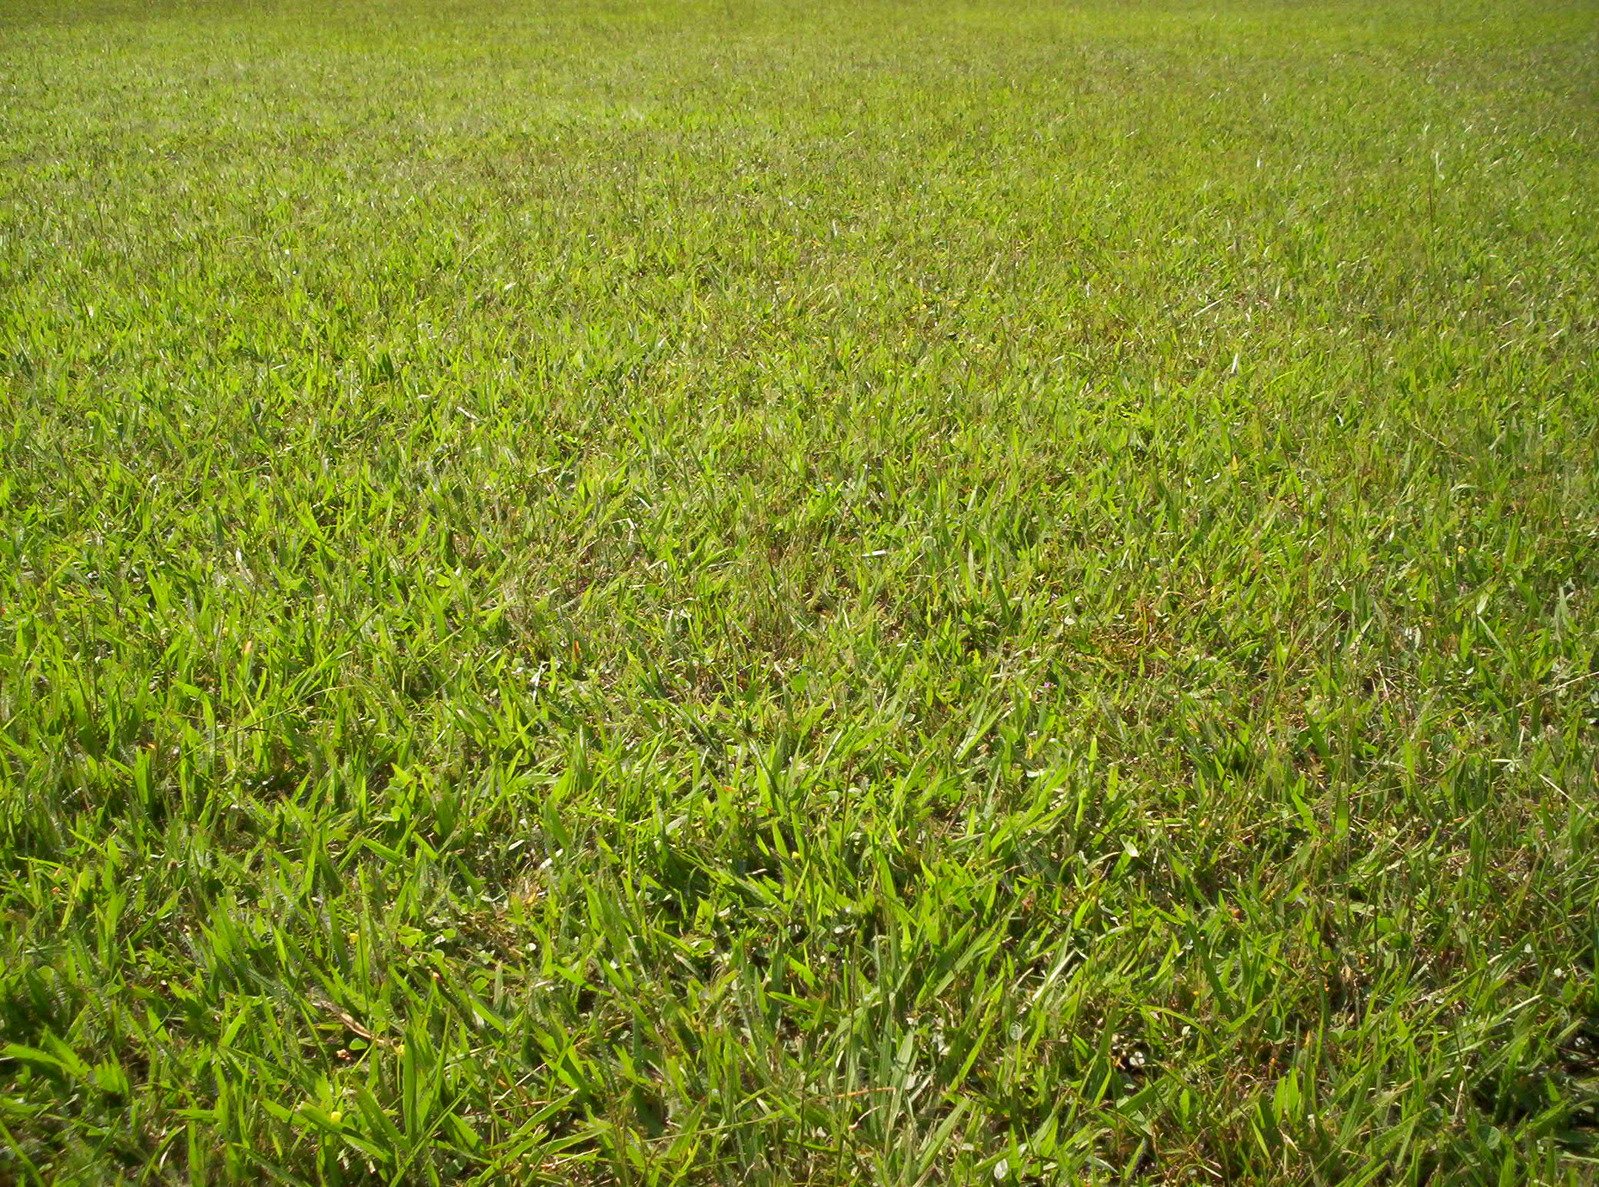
(741, 593)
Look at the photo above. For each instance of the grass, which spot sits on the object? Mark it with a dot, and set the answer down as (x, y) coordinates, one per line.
(739, 592)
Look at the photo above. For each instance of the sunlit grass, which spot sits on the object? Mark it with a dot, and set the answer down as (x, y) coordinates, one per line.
(737, 592)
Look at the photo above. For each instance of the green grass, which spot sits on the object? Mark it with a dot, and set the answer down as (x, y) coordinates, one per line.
(739, 592)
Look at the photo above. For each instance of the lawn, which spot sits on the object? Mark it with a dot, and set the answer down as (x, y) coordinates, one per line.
(723, 591)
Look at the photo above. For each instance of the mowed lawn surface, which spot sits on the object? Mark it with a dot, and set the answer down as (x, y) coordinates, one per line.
(741, 592)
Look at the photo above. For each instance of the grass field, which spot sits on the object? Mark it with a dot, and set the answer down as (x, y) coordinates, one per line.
(750, 592)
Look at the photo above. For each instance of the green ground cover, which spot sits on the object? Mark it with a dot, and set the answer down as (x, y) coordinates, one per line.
(752, 592)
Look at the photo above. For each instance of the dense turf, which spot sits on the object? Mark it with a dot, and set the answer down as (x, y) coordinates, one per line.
(774, 593)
